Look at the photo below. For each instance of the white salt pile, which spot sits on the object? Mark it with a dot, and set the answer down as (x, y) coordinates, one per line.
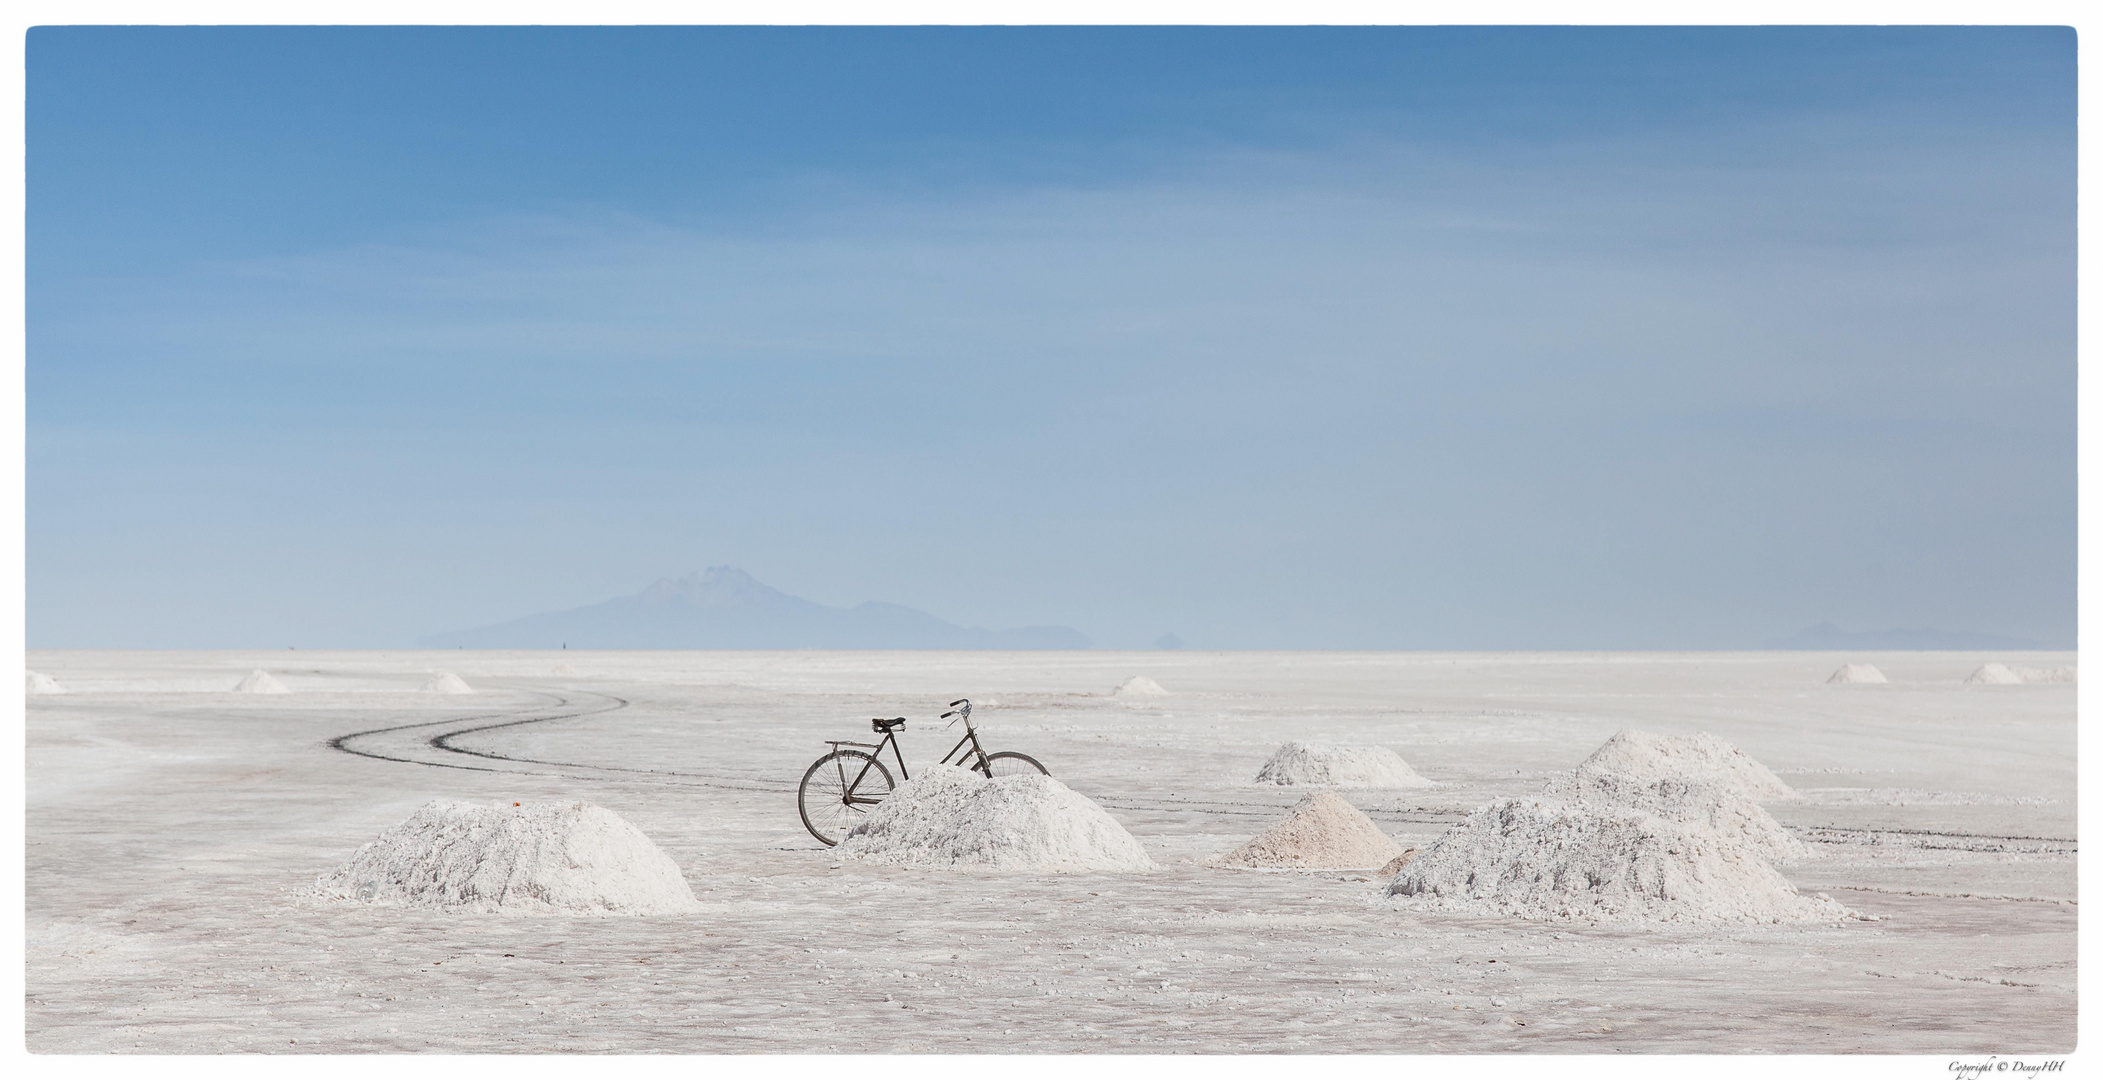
(565, 669)
(534, 858)
(445, 682)
(1545, 860)
(1999, 674)
(1648, 758)
(1322, 833)
(259, 682)
(1994, 674)
(1650, 828)
(1691, 804)
(40, 683)
(1339, 766)
(949, 817)
(1139, 686)
(1857, 673)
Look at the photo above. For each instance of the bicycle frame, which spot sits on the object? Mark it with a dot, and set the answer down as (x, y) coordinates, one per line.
(976, 758)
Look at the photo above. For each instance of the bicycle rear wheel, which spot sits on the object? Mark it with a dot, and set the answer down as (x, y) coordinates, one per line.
(1010, 763)
(838, 791)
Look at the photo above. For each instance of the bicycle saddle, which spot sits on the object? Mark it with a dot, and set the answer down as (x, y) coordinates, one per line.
(882, 726)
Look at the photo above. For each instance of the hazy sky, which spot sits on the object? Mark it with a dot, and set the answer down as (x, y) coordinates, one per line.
(1595, 338)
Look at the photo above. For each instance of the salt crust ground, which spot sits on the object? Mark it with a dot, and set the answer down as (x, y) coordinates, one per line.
(952, 818)
(1543, 860)
(445, 682)
(39, 683)
(1298, 763)
(1857, 673)
(170, 825)
(1322, 833)
(540, 858)
(1647, 757)
(260, 682)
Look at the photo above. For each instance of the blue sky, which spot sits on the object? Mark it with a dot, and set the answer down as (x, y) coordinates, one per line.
(1269, 338)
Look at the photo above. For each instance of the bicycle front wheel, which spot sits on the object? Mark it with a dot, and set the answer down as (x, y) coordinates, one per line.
(838, 792)
(1010, 763)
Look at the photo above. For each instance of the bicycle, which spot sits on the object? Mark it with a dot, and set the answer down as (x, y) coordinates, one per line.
(839, 789)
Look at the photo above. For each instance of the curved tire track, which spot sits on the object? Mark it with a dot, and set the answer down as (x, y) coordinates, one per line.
(406, 744)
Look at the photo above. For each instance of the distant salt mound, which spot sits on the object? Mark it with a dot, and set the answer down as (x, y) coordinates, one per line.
(1857, 673)
(259, 682)
(445, 682)
(1322, 833)
(952, 818)
(1339, 766)
(1999, 674)
(559, 858)
(1994, 674)
(1648, 758)
(1691, 804)
(565, 669)
(1545, 860)
(1139, 686)
(40, 683)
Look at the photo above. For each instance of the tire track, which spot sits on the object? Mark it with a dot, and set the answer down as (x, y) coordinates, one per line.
(443, 747)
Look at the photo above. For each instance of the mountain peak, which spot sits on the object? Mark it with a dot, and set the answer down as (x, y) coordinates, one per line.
(717, 586)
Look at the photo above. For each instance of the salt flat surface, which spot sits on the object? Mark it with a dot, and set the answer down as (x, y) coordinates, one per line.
(175, 829)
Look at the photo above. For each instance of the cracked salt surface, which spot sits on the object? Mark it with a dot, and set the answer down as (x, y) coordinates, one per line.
(166, 913)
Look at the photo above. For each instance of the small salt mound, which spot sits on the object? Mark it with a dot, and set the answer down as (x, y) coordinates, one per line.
(1994, 674)
(445, 682)
(1999, 674)
(1339, 766)
(1546, 860)
(537, 858)
(1857, 673)
(1647, 758)
(40, 683)
(1690, 804)
(949, 817)
(1139, 686)
(259, 682)
(1322, 833)
(565, 669)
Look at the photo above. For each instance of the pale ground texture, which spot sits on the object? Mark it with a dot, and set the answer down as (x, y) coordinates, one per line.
(173, 826)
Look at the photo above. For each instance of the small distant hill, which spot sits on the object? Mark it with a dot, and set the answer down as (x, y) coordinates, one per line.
(1827, 637)
(724, 608)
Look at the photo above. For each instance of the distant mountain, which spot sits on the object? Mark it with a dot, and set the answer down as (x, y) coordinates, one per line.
(724, 608)
(1827, 637)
